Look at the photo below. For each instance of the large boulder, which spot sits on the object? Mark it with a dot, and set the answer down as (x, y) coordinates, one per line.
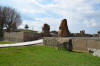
(63, 29)
(46, 30)
(95, 52)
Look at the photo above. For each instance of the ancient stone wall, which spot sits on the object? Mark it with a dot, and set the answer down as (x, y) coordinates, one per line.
(29, 36)
(21, 36)
(14, 36)
(77, 43)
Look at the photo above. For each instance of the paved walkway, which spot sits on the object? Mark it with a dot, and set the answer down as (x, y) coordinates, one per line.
(23, 43)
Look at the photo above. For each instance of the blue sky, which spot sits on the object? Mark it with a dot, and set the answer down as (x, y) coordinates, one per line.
(81, 14)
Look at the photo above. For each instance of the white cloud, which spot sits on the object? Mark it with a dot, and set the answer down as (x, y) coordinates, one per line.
(79, 12)
(74, 10)
(91, 23)
(38, 23)
(32, 25)
(31, 10)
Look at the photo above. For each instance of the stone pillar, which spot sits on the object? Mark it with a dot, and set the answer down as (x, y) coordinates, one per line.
(98, 33)
(63, 29)
(82, 32)
(46, 30)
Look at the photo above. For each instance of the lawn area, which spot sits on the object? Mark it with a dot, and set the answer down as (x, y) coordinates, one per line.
(44, 56)
(6, 42)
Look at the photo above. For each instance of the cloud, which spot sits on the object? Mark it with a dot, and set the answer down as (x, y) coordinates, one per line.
(81, 14)
(32, 25)
(91, 23)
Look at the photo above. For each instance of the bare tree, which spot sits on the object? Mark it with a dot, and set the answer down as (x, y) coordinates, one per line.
(11, 18)
(1, 23)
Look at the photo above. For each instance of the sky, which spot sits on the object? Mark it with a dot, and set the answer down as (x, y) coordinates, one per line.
(80, 14)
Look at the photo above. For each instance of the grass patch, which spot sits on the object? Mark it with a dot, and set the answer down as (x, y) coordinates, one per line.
(6, 42)
(44, 56)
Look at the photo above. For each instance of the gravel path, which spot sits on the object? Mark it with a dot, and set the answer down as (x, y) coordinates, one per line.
(23, 43)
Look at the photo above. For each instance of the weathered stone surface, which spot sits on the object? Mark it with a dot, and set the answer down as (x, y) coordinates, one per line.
(91, 50)
(80, 44)
(46, 30)
(82, 32)
(63, 29)
(97, 53)
(98, 33)
(65, 44)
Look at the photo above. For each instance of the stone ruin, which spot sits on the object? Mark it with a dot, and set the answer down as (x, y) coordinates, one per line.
(98, 33)
(46, 30)
(63, 29)
(82, 32)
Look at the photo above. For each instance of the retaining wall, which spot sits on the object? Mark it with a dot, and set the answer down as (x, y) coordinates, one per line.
(14, 36)
(21, 36)
(78, 43)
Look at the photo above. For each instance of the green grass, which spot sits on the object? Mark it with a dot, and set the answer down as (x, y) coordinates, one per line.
(44, 56)
(6, 42)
